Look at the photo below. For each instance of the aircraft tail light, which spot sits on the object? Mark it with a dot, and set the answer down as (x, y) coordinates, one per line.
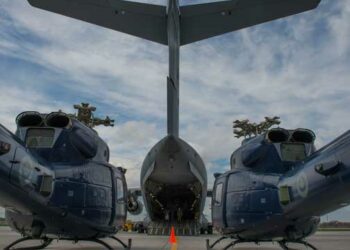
(4, 148)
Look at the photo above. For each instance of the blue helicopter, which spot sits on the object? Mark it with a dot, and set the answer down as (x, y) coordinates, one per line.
(56, 182)
(279, 185)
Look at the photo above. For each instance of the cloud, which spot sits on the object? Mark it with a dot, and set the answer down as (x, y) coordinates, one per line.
(129, 143)
(14, 100)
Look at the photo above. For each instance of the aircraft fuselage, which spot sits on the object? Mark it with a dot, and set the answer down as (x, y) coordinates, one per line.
(174, 182)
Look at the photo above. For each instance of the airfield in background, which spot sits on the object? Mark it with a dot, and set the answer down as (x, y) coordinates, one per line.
(323, 240)
(342, 215)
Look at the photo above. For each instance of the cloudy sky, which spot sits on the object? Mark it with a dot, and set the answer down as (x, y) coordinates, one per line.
(296, 68)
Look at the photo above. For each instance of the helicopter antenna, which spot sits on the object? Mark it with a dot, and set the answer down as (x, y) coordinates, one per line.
(86, 115)
(246, 129)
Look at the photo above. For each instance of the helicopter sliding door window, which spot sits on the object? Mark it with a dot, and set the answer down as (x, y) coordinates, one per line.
(218, 194)
(120, 204)
(40, 138)
(120, 190)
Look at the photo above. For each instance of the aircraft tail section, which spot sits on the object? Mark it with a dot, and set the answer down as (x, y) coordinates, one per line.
(203, 21)
(146, 21)
(198, 22)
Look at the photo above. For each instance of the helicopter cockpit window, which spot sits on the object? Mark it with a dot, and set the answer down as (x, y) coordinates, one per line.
(40, 138)
(293, 152)
(218, 194)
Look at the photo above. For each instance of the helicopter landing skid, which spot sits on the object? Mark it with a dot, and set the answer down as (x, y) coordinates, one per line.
(105, 244)
(232, 244)
(211, 246)
(122, 243)
(46, 242)
(283, 244)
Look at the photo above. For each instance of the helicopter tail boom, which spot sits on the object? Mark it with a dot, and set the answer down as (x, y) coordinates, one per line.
(321, 184)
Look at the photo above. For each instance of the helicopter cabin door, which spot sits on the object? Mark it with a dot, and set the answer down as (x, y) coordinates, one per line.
(24, 171)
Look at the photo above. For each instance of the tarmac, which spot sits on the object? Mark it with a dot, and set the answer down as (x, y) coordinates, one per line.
(322, 240)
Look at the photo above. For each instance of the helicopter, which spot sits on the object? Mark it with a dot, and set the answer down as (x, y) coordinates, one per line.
(279, 185)
(56, 181)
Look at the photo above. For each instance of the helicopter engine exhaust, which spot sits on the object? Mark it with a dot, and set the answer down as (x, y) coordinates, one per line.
(278, 135)
(303, 136)
(58, 120)
(29, 119)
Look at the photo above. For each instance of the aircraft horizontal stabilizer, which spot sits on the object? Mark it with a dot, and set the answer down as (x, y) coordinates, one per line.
(203, 21)
(146, 21)
(198, 22)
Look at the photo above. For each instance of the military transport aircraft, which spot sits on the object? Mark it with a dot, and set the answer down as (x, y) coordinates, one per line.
(173, 175)
(279, 186)
(56, 182)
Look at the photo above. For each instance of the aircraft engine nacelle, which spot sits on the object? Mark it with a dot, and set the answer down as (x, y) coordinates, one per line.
(134, 206)
(252, 153)
(256, 150)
